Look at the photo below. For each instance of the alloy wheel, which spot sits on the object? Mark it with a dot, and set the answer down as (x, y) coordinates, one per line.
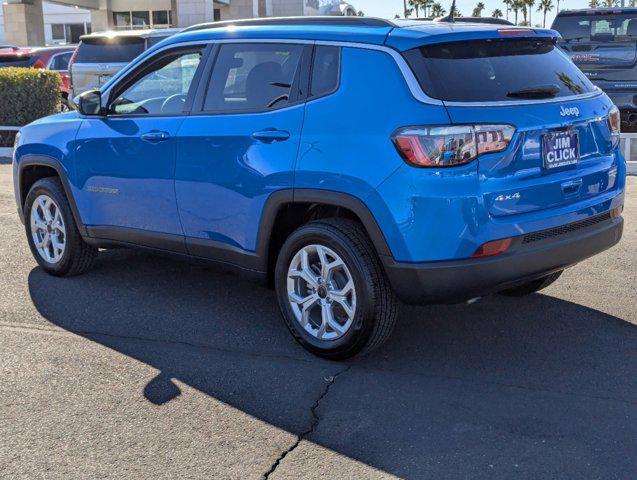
(47, 229)
(321, 292)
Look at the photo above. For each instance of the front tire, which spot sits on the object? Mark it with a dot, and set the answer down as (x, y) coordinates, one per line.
(332, 290)
(53, 237)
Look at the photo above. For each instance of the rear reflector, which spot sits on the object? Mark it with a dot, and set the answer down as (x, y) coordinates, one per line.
(492, 248)
(515, 31)
(616, 212)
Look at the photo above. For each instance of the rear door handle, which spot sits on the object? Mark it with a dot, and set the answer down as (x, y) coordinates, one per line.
(271, 135)
(155, 136)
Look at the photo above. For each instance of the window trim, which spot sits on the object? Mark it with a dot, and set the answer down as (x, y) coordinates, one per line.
(300, 84)
(142, 69)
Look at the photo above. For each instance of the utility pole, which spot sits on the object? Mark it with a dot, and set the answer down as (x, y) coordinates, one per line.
(405, 8)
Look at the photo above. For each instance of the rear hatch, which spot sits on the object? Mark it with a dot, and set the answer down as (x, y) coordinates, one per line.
(603, 43)
(100, 57)
(562, 150)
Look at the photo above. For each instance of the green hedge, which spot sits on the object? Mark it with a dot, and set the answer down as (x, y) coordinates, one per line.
(27, 94)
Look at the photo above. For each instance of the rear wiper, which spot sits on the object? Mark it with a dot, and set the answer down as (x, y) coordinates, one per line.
(541, 91)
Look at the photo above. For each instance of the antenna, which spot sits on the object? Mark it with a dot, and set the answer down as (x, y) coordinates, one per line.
(449, 17)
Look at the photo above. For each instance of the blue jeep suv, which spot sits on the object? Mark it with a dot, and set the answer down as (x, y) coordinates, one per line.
(603, 44)
(350, 163)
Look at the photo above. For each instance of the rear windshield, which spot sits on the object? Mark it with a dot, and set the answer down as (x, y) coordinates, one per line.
(496, 70)
(109, 50)
(16, 61)
(597, 27)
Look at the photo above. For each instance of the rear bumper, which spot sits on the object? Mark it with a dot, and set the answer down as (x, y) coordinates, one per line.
(530, 257)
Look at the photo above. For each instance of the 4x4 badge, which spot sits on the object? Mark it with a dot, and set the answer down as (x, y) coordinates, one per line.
(569, 111)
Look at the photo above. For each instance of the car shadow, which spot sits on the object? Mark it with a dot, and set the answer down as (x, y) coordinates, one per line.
(526, 387)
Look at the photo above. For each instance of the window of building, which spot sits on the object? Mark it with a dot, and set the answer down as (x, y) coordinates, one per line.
(253, 77)
(57, 31)
(217, 14)
(140, 19)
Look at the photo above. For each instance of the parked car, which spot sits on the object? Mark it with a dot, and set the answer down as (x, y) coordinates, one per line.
(46, 58)
(101, 55)
(603, 44)
(351, 165)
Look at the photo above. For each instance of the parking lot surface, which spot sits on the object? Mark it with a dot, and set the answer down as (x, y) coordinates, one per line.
(151, 368)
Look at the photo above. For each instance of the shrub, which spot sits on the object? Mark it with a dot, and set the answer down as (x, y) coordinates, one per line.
(27, 94)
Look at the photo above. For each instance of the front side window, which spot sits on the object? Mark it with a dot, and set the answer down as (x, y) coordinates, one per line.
(253, 77)
(496, 70)
(161, 90)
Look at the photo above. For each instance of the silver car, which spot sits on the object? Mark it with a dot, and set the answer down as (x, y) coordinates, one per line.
(101, 55)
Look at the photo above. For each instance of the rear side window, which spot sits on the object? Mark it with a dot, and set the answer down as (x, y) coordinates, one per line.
(597, 27)
(61, 62)
(496, 70)
(326, 71)
(253, 77)
(109, 50)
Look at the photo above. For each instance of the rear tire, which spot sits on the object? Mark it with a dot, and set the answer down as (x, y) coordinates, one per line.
(533, 286)
(60, 249)
(346, 307)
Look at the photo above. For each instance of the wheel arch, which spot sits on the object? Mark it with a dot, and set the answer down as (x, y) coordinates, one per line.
(36, 167)
(286, 210)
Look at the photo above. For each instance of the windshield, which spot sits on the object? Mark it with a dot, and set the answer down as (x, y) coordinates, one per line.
(597, 27)
(109, 50)
(496, 70)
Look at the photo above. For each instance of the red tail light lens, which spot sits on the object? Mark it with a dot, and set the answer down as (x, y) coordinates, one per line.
(448, 146)
(614, 120)
(492, 248)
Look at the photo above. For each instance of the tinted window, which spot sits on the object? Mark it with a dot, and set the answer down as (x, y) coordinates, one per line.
(17, 61)
(253, 77)
(163, 89)
(601, 27)
(61, 62)
(325, 70)
(496, 70)
(109, 50)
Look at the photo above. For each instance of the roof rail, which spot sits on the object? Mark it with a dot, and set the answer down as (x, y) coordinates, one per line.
(326, 20)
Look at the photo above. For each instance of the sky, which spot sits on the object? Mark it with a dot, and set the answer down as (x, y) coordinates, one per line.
(389, 8)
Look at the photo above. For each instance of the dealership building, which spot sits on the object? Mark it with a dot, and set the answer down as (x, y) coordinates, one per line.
(39, 22)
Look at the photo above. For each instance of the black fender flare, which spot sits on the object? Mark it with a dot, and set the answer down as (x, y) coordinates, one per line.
(31, 160)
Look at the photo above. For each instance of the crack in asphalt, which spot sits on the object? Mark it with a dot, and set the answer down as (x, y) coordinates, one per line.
(315, 421)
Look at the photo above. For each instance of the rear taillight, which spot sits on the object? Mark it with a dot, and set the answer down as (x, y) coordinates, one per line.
(447, 146)
(614, 120)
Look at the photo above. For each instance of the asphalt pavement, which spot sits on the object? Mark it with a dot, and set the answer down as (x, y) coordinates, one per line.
(151, 368)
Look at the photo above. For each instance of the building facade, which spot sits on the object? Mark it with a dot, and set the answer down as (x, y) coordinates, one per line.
(39, 22)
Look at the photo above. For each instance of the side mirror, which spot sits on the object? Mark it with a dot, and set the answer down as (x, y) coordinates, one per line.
(89, 103)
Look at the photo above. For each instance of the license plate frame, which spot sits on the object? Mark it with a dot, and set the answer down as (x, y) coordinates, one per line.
(560, 149)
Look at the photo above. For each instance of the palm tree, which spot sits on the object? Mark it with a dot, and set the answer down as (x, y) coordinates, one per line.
(610, 3)
(507, 4)
(529, 4)
(515, 6)
(437, 10)
(593, 4)
(546, 6)
(477, 11)
(415, 5)
(426, 5)
(497, 13)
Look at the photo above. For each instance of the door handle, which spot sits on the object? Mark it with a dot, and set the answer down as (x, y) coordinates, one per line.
(155, 136)
(271, 135)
